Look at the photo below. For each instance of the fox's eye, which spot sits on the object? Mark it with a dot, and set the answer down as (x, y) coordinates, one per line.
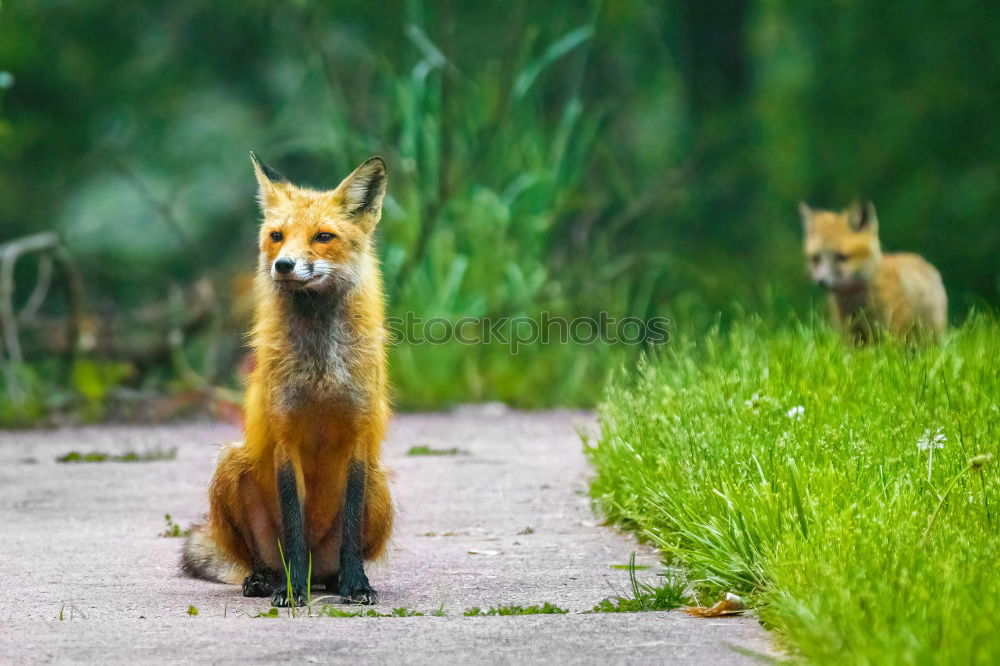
(841, 258)
(324, 237)
(277, 236)
(814, 259)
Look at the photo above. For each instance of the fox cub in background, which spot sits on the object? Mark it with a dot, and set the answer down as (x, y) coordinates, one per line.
(305, 489)
(868, 290)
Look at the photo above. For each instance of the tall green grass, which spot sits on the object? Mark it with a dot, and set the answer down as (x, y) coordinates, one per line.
(490, 213)
(489, 171)
(853, 493)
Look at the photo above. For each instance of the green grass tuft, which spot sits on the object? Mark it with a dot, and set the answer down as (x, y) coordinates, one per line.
(852, 493)
(646, 597)
(545, 609)
(425, 450)
(153, 455)
(326, 610)
(405, 612)
(173, 530)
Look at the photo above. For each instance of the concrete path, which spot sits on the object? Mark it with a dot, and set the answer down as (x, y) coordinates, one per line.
(506, 521)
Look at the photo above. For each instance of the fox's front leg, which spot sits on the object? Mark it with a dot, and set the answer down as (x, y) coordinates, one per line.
(353, 583)
(293, 535)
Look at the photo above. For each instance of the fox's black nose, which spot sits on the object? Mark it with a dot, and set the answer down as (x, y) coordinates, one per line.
(284, 265)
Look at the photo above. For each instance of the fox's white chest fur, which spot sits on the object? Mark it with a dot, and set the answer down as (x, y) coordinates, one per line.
(323, 355)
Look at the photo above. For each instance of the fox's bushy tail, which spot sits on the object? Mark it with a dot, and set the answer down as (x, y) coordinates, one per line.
(203, 558)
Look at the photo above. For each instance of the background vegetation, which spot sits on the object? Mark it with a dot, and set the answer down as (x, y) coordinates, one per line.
(636, 158)
(852, 494)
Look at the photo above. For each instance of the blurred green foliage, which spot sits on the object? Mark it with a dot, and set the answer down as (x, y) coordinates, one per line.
(636, 158)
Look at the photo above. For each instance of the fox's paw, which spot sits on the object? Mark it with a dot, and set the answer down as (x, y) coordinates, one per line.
(367, 597)
(259, 584)
(280, 598)
(357, 590)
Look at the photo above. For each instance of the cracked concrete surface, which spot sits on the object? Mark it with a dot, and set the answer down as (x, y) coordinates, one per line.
(506, 521)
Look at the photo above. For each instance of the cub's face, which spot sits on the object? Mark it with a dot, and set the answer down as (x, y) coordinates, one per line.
(842, 249)
(315, 240)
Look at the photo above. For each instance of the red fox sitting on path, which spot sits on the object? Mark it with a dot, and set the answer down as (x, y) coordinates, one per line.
(305, 488)
(869, 290)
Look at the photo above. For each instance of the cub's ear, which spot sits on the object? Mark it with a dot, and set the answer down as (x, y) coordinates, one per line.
(862, 217)
(269, 183)
(362, 192)
(807, 213)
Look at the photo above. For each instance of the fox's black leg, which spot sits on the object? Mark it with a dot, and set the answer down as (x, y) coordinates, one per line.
(293, 540)
(262, 579)
(354, 586)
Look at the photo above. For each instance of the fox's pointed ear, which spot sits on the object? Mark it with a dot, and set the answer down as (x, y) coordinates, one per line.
(269, 183)
(362, 192)
(807, 213)
(862, 217)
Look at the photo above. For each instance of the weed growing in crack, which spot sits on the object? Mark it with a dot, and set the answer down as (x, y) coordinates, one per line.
(645, 597)
(173, 530)
(545, 609)
(152, 455)
(425, 450)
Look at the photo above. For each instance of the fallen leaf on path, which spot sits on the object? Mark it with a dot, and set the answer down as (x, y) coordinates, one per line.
(731, 605)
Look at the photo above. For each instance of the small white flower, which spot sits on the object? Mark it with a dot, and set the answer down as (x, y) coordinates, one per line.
(796, 412)
(931, 441)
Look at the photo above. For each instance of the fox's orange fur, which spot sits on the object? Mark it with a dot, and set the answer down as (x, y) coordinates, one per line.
(870, 290)
(317, 399)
